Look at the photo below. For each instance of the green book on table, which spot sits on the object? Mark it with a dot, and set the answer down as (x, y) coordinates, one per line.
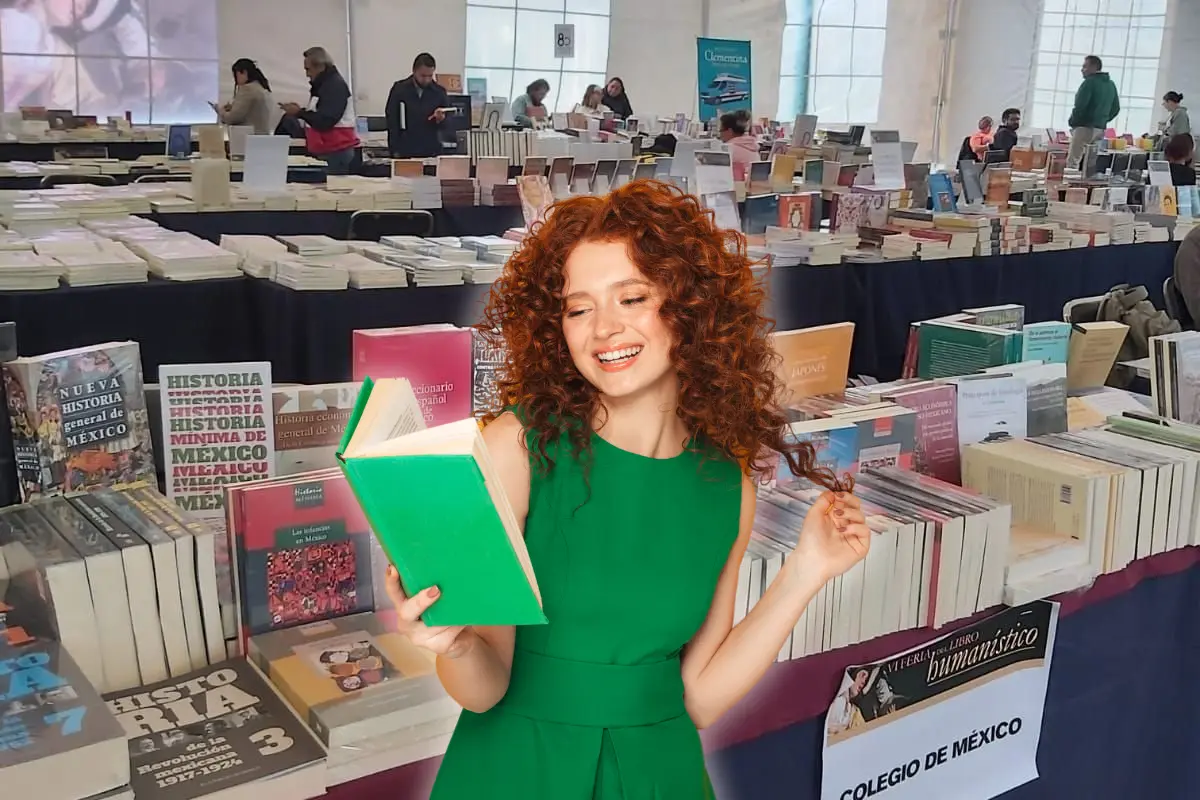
(435, 502)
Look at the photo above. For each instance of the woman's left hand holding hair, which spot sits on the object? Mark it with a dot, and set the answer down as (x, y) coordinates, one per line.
(834, 537)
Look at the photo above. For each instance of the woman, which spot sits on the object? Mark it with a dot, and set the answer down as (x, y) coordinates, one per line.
(528, 107)
(743, 146)
(616, 100)
(251, 104)
(1177, 121)
(982, 138)
(639, 392)
(1178, 153)
(591, 100)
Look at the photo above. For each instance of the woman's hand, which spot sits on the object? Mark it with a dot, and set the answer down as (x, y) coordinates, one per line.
(835, 536)
(451, 642)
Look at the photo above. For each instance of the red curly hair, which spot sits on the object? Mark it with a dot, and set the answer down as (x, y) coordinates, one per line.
(728, 385)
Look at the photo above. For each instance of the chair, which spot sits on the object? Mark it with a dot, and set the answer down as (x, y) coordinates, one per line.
(50, 181)
(1082, 309)
(1176, 307)
(374, 225)
(157, 178)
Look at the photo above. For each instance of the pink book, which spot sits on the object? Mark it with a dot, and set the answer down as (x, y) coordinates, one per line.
(435, 359)
(937, 452)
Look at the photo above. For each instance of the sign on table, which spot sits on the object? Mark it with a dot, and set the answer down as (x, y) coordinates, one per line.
(958, 718)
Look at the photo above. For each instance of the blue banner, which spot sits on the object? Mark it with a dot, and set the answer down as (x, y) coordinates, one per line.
(722, 76)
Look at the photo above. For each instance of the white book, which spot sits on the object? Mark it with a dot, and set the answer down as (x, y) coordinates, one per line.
(166, 578)
(34, 550)
(106, 583)
(139, 585)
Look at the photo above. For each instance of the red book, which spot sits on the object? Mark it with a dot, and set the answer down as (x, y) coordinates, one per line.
(937, 449)
(301, 549)
(435, 359)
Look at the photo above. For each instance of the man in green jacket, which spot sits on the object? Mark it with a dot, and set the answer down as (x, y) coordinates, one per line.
(1096, 105)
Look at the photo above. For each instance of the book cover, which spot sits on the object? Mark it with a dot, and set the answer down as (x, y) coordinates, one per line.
(79, 419)
(813, 361)
(436, 360)
(949, 349)
(218, 423)
(991, 409)
(56, 733)
(796, 210)
(488, 358)
(216, 728)
(936, 446)
(886, 440)
(834, 443)
(302, 548)
(309, 423)
(1046, 341)
(351, 677)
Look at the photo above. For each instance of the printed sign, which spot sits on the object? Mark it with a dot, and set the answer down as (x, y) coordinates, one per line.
(958, 718)
(723, 76)
(564, 40)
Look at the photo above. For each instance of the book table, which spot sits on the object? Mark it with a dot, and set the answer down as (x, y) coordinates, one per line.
(1121, 721)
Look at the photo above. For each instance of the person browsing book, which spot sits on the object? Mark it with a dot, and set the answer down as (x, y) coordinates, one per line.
(637, 403)
(328, 122)
(416, 109)
(1006, 137)
(251, 104)
(1178, 154)
(743, 146)
(591, 100)
(528, 107)
(615, 99)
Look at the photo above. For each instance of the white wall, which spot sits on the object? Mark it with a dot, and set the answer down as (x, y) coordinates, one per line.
(912, 58)
(1179, 69)
(652, 47)
(994, 50)
(761, 23)
(275, 33)
(386, 35)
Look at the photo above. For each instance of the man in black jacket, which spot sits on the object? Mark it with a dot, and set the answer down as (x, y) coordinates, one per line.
(1006, 137)
(329, 123)
(415, 112)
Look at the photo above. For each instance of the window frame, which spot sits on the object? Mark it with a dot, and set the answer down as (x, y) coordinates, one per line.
(555, 77)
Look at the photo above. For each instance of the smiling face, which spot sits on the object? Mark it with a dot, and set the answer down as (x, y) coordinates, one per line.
(611, 322)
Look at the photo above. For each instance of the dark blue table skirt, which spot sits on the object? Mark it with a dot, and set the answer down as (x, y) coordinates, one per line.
(1121, 719)
(1122, 715)
(457, 221)
(307, 334)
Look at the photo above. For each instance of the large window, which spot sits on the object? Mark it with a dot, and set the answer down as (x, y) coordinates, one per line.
(832, 62)
(510, 43)
(155, 59)
(1126, 34)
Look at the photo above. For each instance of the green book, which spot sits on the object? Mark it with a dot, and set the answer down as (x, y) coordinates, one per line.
(953, 349)
(434, 499)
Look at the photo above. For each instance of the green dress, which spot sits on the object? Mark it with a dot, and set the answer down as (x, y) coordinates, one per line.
(627, 571)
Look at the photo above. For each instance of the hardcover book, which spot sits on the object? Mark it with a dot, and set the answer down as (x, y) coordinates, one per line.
(488, 358)
(215, 729)
(309, 422)
(936, 451)
(79, 419)
(435, 359)
(451, 525)
(302, 551)
(217, 425)
(352, 679)
(57, 737)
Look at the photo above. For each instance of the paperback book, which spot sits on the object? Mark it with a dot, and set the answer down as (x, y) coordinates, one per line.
(212, 730)
(79, 419)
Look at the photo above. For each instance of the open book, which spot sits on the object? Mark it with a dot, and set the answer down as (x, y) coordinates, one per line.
(434, 499)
